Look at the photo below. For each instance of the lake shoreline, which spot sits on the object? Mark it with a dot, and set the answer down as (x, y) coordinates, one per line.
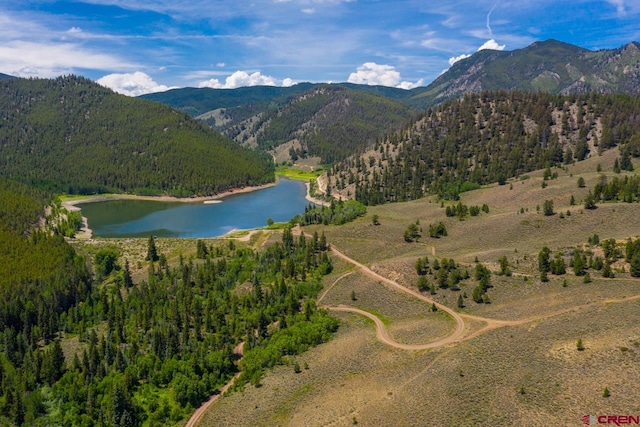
(312, 199)
(86, 232)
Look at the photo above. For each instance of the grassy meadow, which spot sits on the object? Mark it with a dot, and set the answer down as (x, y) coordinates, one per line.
(527, 372)
(517, 363)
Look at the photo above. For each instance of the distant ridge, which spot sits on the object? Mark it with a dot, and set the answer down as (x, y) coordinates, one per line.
(329, 121)
(547, 66)
(197, 101)
(544, 66)
(304, 123)
(6, 76)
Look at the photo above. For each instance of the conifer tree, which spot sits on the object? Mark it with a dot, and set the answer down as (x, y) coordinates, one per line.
(635, 264)
(152, 251)
(128, 281)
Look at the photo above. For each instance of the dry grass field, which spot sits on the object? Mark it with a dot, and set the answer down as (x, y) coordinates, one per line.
(516, 362)
(524, 369)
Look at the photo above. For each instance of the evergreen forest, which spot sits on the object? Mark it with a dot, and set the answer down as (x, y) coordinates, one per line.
(71, 135)
(143, 353)
(486, 138)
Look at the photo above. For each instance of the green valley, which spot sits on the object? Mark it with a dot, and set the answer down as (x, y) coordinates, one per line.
(475, 259)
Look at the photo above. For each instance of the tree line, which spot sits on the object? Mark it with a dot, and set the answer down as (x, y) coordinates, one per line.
(338, 212)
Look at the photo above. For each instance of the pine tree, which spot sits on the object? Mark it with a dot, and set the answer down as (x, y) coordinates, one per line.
(201, 250)
(635, 264)
(476, 295)
(590, 201)
(423, 284)
(128, 281)
(460, 302)
(152, 251)
(616, 166)
(625, 162)
(544, 265)
(420, 269)
(607, 271)
(53, 365)
(578, 264)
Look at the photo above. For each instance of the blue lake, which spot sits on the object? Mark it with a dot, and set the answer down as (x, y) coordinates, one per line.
(142, 218)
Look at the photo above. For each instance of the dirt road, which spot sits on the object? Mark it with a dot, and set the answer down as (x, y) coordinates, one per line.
(463, 321)
(203, 408)
(456, 335)
(238, 351)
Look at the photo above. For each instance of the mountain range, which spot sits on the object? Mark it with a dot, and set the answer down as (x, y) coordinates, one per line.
(305, 123)
(549, 66)
(72, 135)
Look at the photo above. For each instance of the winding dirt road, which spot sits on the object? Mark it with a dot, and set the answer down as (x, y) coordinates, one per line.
(463, 320)
(462, 331)
(456, 335)
(203, 408)
(238, 351)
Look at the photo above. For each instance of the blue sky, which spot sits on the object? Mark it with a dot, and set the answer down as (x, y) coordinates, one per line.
(140, 46)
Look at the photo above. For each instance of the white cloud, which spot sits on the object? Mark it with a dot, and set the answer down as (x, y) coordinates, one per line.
(32, 59)
(309, 11)
(620, 7)
(374, 74)
(455, 59)
(489, 44)
(288, 82)
(74, 30)
(409, 85)
(132, 84)
(492, 45)
(240, 78)
(221, 65)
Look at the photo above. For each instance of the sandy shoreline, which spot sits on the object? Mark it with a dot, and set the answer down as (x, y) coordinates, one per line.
(313, 199)
(86, 232)
(71, 204)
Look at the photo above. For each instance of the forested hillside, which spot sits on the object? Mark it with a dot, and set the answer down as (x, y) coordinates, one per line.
(72, 135)
(83, 349)
(488, 138)
(329, 121)
(40, 278)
